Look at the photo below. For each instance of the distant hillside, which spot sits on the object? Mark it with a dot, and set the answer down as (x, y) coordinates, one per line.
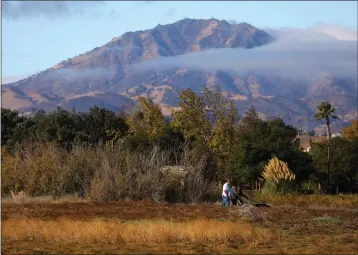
(104, 77)
(305, 140)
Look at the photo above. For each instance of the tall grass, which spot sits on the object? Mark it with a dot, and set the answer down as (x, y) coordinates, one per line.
(278, 177)
(102, 174)
(100, 231)
(311, 201)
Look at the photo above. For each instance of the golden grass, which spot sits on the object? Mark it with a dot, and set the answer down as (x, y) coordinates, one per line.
(201, 231)
(277, 171)
(280, 230)
(311, 201)
(25, 199)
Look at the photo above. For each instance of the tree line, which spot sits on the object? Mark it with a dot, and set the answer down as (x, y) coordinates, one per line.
(235, 146)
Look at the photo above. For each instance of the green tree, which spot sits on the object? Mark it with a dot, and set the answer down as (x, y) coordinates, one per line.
(224, 132)
(59, 126)
(344, 162)
(191, 119)
(261, 140)
(9, 120)
(135, 122)
(23, 131)
(325, 112)
(100, 124)
(147, 119)
(152, 117)
(214, 100)
(250, 118)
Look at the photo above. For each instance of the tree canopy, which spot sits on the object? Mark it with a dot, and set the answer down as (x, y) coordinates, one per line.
(207, 124)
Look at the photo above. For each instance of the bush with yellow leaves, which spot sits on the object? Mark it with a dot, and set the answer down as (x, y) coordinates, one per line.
(278, 177)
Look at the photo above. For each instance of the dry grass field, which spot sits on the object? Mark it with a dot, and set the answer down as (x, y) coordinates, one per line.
(293, 224)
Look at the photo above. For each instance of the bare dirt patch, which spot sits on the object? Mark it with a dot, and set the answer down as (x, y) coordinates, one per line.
(123, 209)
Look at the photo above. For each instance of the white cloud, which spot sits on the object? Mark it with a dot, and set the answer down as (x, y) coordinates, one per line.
(296, 52)
(49, 9)
(319, 32)
(339, 32)
(89, 73)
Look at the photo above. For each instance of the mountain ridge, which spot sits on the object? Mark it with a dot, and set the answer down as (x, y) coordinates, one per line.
(105, 71)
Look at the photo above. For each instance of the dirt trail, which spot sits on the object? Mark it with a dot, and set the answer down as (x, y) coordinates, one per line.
(137, 210)
(123, 209)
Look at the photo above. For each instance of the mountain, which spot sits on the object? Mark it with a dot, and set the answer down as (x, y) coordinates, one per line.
(106, 76)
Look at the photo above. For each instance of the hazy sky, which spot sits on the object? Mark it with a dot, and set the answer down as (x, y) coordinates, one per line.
(38, 35)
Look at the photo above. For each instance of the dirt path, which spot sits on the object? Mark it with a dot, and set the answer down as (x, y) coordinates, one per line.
(124, 209)
(136, 210)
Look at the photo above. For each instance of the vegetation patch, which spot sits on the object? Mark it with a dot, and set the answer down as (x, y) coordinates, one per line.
(327, 219)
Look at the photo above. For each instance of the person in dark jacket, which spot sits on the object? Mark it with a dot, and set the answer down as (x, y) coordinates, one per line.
(233, 196)
(240, 194)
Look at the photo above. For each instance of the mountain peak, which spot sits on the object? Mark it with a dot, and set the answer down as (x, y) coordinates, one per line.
(199, 20)
(181, 37)
(105, 68)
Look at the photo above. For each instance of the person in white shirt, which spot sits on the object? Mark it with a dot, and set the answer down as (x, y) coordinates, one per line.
(226, 193)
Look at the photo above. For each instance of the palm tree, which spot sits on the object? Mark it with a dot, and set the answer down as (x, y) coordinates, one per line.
(325, 111)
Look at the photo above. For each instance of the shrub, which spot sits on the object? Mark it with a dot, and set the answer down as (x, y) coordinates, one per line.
(78, 169)
(104, 185)
(11, 176)
(102, 173)
(310, 185)
(35, 169)
(278, 177)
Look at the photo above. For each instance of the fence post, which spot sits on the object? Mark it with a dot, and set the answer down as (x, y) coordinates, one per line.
(319, 188)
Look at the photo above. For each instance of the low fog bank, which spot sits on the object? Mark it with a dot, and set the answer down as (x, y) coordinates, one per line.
(295, 53)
